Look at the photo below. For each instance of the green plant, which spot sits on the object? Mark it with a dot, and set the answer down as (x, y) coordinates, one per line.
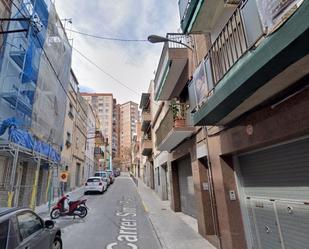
(178, 109)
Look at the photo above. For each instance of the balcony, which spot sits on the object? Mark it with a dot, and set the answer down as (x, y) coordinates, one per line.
(174, 128)
(146, 120)
(199, 16)
(173, 69)
(251, 62)
(146, 146)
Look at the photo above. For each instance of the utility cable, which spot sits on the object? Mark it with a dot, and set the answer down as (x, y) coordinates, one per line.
(106, 73)
(106, 38)
(93, 63)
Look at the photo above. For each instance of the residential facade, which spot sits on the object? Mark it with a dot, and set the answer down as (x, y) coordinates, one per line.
(237, 164)
(128, 117)
(147, 145)
(79, 143)
(137, 170)
(116, 135)
(32, 100)
(90, 163)
(69, 134)
(103, 105)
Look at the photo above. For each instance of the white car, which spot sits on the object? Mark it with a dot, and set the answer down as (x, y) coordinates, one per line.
(95, 184)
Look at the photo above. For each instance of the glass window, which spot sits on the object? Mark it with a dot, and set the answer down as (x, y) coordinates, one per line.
(93, 180)
(28, 223)
(4, 228)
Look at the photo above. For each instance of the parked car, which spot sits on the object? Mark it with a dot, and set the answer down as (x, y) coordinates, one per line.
(95, 184)
(116, 172)
(21, 228)
(104, 175)
(111, 175)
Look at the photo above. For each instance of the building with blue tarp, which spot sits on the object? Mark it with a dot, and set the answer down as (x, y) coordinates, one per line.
(34, 77)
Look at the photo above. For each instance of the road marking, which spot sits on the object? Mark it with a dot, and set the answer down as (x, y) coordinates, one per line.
(128, 232)
(145, 208)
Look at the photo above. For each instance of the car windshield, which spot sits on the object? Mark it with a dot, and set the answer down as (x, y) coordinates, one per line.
(93, 180)
(101, 174)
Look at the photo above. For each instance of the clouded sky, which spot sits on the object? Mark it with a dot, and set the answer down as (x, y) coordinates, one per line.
(131, 63)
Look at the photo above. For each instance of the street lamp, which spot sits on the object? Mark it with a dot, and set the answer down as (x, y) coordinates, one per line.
(158, 39)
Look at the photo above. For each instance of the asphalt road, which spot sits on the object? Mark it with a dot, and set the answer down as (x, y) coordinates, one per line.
(116, 220)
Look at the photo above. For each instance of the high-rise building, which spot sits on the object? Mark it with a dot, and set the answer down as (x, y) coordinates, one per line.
(128, 118)
(102, 104)
(116, 137)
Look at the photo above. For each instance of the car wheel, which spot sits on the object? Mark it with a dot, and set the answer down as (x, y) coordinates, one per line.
(57, 243)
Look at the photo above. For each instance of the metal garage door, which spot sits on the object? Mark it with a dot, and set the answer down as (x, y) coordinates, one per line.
(275, 183)
(187, 197)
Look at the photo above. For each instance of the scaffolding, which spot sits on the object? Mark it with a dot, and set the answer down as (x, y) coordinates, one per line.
(18, 153)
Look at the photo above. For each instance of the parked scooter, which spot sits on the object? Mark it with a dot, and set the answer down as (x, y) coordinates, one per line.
(76, 208)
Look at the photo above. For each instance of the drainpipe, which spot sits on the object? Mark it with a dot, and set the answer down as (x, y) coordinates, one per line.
(212, 192)
(209, 169)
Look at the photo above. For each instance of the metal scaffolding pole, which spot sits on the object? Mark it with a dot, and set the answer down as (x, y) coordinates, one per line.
(35, 184)
(12, 179)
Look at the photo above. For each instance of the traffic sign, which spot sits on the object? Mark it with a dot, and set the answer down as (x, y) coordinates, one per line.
(64, 176)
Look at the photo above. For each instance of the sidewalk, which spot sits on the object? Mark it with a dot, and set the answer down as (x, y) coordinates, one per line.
(170, 227)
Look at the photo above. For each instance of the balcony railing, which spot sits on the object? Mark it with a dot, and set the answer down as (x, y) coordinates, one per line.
(173, 121)
(173, 60)
(229, 46)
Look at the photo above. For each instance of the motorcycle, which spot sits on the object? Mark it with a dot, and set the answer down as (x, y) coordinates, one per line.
(76, 208)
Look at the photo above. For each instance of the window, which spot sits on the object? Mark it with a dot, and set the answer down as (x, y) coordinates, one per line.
(4, 228)
(68, 136)
(28, 224)
(70, 113)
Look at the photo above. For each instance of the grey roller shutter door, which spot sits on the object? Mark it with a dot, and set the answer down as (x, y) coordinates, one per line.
(186, 187)
(276, 186)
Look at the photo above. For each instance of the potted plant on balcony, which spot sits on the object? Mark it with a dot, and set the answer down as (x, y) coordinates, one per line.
(179, 110)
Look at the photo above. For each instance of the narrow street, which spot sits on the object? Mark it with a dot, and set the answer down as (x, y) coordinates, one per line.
(111, 218)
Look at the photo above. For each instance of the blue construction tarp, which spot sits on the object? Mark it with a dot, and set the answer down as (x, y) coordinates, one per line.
(26, 140)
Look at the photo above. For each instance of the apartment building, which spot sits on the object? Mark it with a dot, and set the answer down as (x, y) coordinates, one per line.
(238, 161)
(79, 143)
(32, 101)
(68, 136)
(116, 135)
(148, 109)
(128, 117)
(103, 105)
(137, 170)
(90, 163)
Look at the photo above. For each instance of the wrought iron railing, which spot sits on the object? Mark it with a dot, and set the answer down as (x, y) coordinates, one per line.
(176, 37)
(229, 46)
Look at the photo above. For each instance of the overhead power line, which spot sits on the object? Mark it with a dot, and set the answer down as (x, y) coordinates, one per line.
(106, 38)
(90, 61)
(106, 73)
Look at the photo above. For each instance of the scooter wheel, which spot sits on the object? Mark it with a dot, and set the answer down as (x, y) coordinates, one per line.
(83, 212)
(55, 213)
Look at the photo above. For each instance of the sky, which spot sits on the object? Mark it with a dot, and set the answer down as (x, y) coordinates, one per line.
(132, 63)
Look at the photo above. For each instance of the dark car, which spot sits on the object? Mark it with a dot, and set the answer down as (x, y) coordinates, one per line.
(116, 172)
(20, 228)
(111, 175)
